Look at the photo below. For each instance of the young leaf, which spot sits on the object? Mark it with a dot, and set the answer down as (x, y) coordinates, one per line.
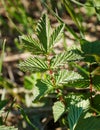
(64, 77)
(62, 22)
(58, 110)
(56, 35)
(32, 44)
(34, 64)
(62, 58)
(43, 31)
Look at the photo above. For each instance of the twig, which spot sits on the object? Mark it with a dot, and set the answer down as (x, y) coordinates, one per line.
(76, 90)
(67, 90)
(16, 57)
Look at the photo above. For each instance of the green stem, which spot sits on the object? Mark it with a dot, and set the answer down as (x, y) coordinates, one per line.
(2, 55)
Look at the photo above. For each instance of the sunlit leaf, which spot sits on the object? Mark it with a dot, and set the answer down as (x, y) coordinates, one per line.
(43, 31)
(62, 58)
(56, 35)
(65, 76)
(32, 44)
(58, 110)
(34, 64)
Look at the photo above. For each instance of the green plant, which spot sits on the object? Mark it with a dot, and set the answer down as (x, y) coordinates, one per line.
(3, 102)
(56, 78)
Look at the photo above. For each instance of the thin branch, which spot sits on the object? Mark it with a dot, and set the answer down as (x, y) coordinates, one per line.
(16, 57)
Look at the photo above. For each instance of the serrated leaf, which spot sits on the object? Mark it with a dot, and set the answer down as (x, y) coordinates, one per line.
(43, 31)
(58, 110)
(34, 64)
(56, 35)
(32, 44)
(7, 128)
(65, 76)
(62, 58)
(61, 21)
(80, 83)
(75, 112)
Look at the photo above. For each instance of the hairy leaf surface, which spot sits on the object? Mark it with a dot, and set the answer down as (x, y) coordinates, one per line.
(65, 76)
(62, 58)
(34, 64)
(32, 44)
(56, 35)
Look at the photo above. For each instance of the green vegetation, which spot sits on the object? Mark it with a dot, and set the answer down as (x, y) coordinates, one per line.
(68, 82)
